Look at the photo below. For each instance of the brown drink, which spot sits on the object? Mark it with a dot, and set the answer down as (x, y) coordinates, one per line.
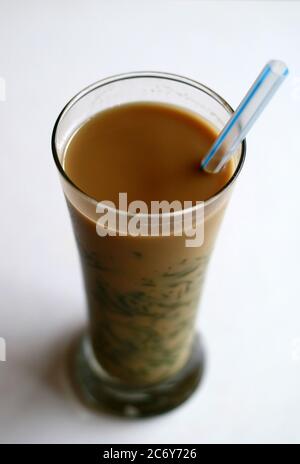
(142, 292)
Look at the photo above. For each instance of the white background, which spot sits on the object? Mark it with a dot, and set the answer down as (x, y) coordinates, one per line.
(250, 312)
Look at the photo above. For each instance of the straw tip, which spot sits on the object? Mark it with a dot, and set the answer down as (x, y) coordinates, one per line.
(278, 67)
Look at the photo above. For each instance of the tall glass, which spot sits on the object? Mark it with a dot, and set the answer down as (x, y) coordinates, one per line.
(140, 354)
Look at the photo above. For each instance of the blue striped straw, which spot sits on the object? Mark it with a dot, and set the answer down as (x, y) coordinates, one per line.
(245, 115)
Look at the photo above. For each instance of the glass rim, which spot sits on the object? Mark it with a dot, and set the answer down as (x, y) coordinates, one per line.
(136, 75)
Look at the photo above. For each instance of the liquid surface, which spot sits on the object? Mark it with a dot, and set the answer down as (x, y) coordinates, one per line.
(151, 151)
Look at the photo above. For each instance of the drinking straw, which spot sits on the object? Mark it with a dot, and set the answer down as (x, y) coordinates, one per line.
(258, 96)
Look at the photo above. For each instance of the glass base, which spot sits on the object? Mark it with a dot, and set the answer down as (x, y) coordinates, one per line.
(100, 391)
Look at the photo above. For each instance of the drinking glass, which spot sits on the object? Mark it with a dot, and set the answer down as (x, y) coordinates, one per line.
(140, 354)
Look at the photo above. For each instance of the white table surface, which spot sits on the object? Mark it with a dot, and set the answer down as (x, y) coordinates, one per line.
(250, 312)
